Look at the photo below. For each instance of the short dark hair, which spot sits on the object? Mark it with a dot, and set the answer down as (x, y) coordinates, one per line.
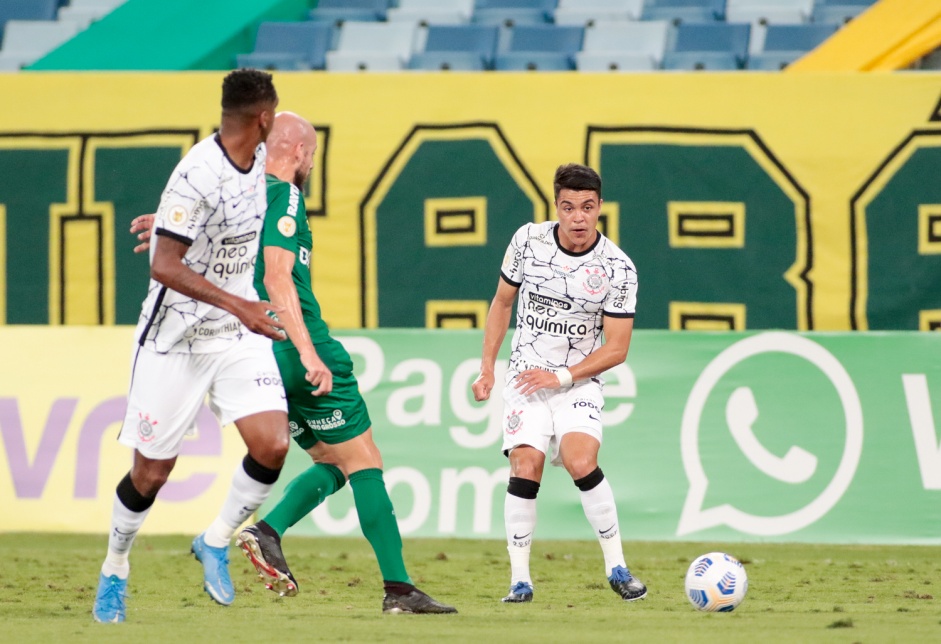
(574, 176)
(247, 88)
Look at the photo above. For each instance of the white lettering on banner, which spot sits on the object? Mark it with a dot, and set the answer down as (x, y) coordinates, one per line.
(923, 429)
(694, 516)
(427, 392)
(373, 359)
(625, 386)
(483, 482)
(465, 410)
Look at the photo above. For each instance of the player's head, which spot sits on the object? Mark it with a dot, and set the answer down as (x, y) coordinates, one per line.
(291, 147)
(574, 176)
(249, 100)
(577, 206)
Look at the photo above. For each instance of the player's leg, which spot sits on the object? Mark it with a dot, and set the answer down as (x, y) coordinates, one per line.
(247, 391)
(519, 515)
(156, 420)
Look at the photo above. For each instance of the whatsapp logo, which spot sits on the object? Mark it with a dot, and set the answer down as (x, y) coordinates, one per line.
(771, 437)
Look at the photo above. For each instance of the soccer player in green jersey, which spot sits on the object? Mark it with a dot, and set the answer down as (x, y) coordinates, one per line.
(327, 415)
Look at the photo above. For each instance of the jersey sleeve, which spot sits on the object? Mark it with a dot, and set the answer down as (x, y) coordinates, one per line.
(621, 301)
(190, 196)
(285, 206)
(512, 269)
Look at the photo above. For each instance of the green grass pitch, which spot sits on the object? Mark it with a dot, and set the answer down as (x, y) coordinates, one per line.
(797, 593)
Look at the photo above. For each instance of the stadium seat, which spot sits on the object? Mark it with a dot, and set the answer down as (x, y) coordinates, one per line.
(372, 46)
(26, 41)
(340, 11)
(786, 43)
(591, 12)
(837, 14)
(457, 47)
(541, 47)
(85, 12)
(26, 10)
(289, 46)
(429, 12)
(623, 46)
(717, 46)
(761, 13)
(685, 11)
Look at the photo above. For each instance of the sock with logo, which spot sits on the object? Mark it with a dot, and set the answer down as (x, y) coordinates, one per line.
(377, 520)
(308, 490)
(251, 485)
(519, 515)
(128, 512)
(601, 511)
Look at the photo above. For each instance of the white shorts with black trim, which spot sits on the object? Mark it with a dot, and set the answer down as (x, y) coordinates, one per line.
(168, 389)
(541, 419)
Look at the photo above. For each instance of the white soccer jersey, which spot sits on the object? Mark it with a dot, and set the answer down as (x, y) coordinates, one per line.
(563, 296)
(218, 210)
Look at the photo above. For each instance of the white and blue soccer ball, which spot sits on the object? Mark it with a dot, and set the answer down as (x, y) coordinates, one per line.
(716, 582)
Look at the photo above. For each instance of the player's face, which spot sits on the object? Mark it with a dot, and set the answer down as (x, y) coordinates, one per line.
(266, 120)
(578, 212)
(305, 162)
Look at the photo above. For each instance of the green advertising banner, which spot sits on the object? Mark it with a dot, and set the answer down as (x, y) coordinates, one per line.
(776, 436)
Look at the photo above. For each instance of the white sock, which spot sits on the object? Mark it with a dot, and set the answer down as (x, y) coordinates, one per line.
(124, 526)
(245, 496)
(519, 515)
(602, 514)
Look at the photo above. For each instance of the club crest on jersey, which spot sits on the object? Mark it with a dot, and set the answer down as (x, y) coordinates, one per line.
(595, 281)
(287, 226)
(177, 215)
(145, 427)
(514, 422)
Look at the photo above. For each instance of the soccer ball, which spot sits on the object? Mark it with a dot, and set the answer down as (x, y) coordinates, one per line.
(716, 582)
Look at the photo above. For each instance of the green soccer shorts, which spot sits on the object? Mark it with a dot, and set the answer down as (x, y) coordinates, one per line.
(334, 418)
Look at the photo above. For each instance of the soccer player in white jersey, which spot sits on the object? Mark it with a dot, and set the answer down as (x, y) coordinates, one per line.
(203, 331)
(573, 286)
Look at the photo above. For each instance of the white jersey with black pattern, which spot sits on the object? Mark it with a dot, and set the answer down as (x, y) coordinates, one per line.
(217, 209)
(564, 296)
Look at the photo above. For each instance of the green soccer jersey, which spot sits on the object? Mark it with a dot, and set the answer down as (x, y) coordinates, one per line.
(286, 227)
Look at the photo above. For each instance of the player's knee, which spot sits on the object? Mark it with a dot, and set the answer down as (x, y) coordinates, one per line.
(589, 481)
(149, 476)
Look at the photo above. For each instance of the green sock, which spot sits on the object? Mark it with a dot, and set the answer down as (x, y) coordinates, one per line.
(303, 494)
(377, 519)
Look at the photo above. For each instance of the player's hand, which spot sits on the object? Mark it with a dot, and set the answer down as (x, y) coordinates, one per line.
(255, 316)
(317, 374)
(142, 226)
(482, 387)
(532, 380)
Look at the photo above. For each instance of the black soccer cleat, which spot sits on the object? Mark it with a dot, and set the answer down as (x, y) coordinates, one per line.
(519, 593)
(263, 548)
(415, 602)
(626, 585)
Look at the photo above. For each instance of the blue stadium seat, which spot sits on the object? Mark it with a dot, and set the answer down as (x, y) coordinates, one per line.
(289, 46)
(859, 3)
(541, 47)
(623, 46)
(685, 11)
(26, 10)
(786, 43)
(340, 11)
(457, 47)
(837, 14)
(432, 12)
(717, 46)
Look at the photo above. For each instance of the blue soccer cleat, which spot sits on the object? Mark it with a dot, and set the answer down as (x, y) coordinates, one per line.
(519, 593)
(109, 602)
(626, 585)
(216, 579)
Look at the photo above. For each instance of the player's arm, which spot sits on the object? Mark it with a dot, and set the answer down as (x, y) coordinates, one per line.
(168, 268)
(498, 321)
(617, 334)
(279, 282)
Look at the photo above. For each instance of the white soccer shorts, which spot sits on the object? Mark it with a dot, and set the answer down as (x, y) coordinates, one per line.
(544, 417)
(167, 391)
